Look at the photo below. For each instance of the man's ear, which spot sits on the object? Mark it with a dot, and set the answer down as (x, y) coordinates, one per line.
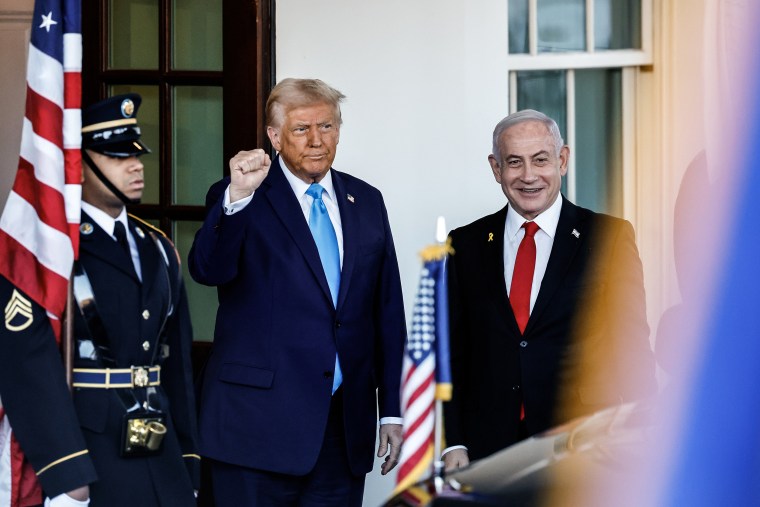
(274, 137)
(564, 156)
(495, 167)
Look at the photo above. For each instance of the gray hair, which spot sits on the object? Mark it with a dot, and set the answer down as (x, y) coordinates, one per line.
(523, 116)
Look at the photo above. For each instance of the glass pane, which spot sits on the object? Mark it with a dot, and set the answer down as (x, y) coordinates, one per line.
(518, 26)
(617, 24)
(203, 300)
(561, 25)
(133, 34)
(197, 150)
(544, 91)
(197, 34)
(147, 118)
(599, 137)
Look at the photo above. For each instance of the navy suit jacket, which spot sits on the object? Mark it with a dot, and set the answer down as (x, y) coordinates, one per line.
(585, 346)
(266, 389)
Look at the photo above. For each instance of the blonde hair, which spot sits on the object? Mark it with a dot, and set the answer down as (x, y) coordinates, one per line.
(291, 93)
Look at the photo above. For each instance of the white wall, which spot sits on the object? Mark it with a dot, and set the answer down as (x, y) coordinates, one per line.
(425, 83)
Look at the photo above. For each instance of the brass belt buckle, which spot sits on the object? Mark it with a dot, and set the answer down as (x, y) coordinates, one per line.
(140, 376)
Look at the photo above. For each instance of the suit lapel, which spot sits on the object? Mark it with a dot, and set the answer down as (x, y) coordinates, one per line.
(287, 208)
(148, 258)
(350, 223)
(100, 244)
(564, 248)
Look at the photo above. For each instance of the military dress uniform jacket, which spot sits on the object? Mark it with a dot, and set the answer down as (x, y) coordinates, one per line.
(585, 346)
(73, 439)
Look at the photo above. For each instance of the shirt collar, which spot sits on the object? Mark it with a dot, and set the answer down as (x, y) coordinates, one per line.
(300, 187)
(547, 220)
(103, 219)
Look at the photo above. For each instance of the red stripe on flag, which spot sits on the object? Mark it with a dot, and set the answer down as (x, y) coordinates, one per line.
(23, 269)
(408, 466)
(72, 90)
(46, 117)
(47, 201)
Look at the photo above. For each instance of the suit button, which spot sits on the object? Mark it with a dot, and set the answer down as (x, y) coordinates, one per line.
(328, 374)
(146, 345)
(523, 344)
(515, 388)
(145, 314)
(337, 323)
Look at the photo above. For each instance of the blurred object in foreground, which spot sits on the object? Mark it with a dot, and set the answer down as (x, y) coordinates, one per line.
(561, 463)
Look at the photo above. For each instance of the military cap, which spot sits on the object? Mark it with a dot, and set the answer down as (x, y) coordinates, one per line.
(110, 127)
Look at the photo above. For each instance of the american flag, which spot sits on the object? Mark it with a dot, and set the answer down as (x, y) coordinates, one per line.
(39, 227)
(426, 372)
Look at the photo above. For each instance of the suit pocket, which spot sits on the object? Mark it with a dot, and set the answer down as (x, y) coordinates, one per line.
(241, 374)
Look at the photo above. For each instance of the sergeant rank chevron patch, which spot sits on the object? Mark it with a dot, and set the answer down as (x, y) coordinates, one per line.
(18, 313)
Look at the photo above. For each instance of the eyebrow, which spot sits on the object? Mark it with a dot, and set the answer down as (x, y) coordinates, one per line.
(542, 152)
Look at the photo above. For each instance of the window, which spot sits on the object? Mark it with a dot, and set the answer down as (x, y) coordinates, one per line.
(576, 60)
(200, 104)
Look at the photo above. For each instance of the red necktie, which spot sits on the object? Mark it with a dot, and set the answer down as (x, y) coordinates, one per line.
(522, 276)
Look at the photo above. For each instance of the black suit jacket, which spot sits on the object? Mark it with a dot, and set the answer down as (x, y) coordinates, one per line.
(72, 439)
(585, 346)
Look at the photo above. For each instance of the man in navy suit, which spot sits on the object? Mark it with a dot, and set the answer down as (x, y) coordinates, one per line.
(581, 342)
(306, 354)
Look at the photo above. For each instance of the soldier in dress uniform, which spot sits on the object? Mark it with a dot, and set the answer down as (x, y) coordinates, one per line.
(126, 434)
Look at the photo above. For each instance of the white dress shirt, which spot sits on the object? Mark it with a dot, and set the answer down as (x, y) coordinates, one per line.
(513, 235)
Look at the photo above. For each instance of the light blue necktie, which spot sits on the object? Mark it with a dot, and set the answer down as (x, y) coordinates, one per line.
(327, 244)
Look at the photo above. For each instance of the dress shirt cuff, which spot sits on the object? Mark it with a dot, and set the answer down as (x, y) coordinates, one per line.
(64, 500)
(452, 448)
(230, 208)
(391, 420)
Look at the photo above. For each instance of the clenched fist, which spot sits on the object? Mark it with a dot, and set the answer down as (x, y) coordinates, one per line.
(247, 170)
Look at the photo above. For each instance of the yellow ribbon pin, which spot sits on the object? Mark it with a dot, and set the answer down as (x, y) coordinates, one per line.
(490, 237)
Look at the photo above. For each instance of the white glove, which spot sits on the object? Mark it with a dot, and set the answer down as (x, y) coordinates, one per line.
(64, 500)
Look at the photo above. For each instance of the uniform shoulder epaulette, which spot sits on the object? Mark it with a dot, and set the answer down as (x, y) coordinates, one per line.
(148, 225)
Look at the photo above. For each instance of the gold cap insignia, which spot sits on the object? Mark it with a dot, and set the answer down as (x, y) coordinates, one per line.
(86, 228)
(18, 313)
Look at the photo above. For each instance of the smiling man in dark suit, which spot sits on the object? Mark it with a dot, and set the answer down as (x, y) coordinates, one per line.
(310, 330)
(548, 315)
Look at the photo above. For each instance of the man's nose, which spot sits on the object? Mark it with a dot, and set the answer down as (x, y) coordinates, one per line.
(315, 137)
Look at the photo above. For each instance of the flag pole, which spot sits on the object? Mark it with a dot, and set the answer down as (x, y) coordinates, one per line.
(67, 338)
(438, 466)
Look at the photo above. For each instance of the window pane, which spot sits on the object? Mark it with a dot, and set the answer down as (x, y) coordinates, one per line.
(197, 151)
(197, 34)
(598, 155)
(617, 24)
(544, 91)
(561, 25)
(147, 118)
(203, 300)
(518, 26)
(133, 34)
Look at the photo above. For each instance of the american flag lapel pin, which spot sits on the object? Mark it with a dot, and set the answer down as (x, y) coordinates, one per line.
(350, 197)
(576, 233)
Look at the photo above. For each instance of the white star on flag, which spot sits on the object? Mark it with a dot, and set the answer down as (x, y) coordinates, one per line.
(47, 21)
